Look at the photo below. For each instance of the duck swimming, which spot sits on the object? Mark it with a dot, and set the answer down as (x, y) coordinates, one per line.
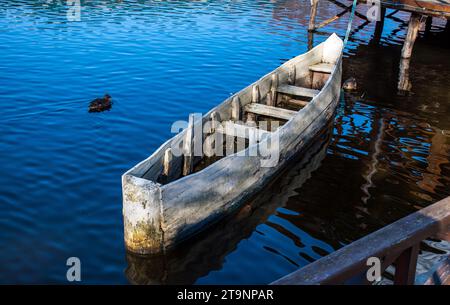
(101, 104)
(350, 84)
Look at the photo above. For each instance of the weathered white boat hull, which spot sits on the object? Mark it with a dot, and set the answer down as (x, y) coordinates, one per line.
(157, 217)
(208, 252)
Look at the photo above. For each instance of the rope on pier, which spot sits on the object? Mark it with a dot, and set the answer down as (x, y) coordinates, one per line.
(350, 21)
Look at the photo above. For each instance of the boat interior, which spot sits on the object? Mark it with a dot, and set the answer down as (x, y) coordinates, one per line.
(246, 117)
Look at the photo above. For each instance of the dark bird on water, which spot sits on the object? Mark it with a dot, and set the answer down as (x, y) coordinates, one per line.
(101, 104)
(350, 84)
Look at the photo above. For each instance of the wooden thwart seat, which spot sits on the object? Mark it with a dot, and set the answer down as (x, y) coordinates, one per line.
(322, 67)
(270, 111)
(298, 103)
(297, 91)
(242, 131)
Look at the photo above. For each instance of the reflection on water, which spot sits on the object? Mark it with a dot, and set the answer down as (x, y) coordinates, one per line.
(60, 188)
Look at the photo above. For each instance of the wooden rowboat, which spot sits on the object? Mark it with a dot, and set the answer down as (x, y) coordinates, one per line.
(170, 197)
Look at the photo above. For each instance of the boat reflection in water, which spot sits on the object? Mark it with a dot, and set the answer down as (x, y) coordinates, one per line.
(206, 251)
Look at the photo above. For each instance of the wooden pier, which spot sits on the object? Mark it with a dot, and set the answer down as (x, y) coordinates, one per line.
(397, 244)
(422, 12)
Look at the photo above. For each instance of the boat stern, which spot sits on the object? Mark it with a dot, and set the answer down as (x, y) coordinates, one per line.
(142, 215)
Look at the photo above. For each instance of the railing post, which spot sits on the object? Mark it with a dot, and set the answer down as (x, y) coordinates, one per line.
(405, 266)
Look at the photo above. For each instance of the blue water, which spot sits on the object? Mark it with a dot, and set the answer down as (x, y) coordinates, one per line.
(60, 188)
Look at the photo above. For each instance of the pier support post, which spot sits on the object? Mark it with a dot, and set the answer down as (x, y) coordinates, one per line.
(379, 26)
(428, 25)
(312, 16)
(413, 30)
(310, 41)
(404, 84)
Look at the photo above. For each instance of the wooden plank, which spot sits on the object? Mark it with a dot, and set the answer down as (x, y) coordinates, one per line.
(335, 17)
(270, 111)
(344, 6)
(394, 238)
(296, 102)
(297, 91)
(439, 8)
(322, 67)
(242, 131)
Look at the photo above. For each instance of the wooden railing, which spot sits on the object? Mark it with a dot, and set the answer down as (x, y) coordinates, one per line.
(397, 244)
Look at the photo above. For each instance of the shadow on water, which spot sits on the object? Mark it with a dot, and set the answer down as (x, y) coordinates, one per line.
(208, 250)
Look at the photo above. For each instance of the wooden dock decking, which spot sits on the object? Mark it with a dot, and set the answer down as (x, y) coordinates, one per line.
(435, 8)
(422, 11)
